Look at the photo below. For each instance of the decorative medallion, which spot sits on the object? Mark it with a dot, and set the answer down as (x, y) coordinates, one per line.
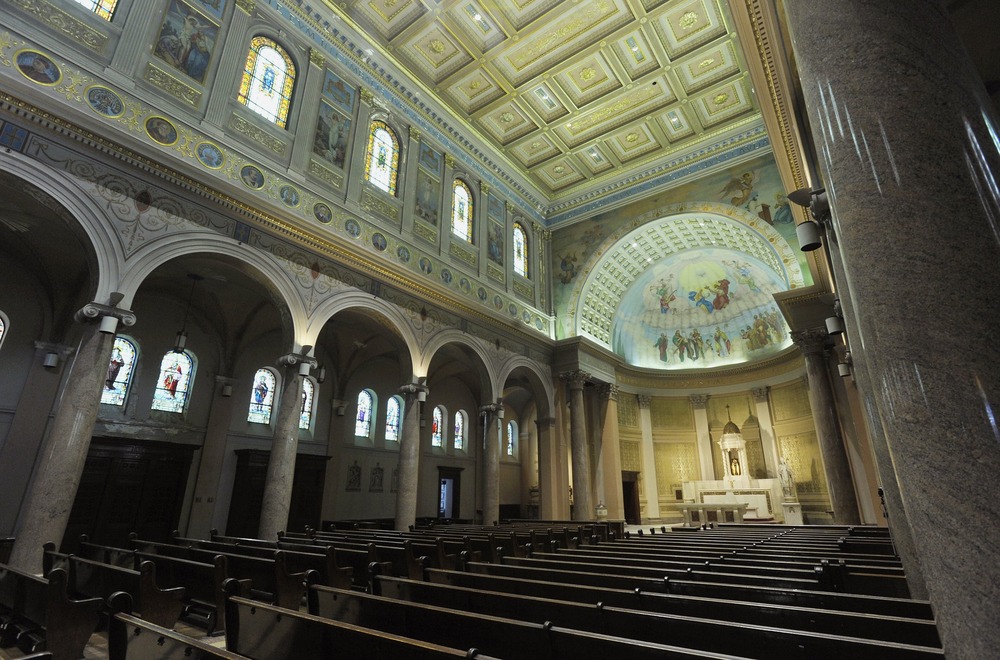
(252, 177)
(538, 323)
(526, 316)
(512, 310)
(161, 131)
(446, 276)
(426, 266)
(289, 196)
(498, 302)
(104, 101)
(379, 242)
(352, 228)
(481, 294)
(403, 254)
(210, 155)
(37, 67)
(465, 285)
(323, 213)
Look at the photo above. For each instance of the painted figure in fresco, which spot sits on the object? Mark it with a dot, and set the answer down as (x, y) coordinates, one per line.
(782, 213)
(116, 364)
(665, 291)
(568, 268)
(722, 344)
(259, 394)
(680, 344)
(700, 298)
(695, 345)
(662, 344)
(740, 188)
(721, 291)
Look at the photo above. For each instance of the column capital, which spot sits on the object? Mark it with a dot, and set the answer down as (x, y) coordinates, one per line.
(760, 394)
(699, 401)
(316, 57)
(292, 359)
(419, 390)
(484, 188)
(609, 391)
(545, 422)
(576, 379)
(62, 350)
(449, 161)
(367, 96)
(93, 311)
(415, 134)
(811, 341)
(644, 400)
(246, 5)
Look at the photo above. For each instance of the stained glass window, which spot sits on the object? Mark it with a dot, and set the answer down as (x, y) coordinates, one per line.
(103, 8)
(383, 157)
(459, 438)
(366, 407)
(511, 435)
(174, 382)
(520, 250)
(262, 397)
(461, 212)
(3, 328)
(120, 369)
(306, 413)
(268, 81)
(392, 419)
(437, 427)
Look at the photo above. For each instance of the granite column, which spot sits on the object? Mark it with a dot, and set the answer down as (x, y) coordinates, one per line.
(583, 508)
(409, 455)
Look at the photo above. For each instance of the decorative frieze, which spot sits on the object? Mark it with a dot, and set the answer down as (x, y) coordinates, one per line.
(456, 250)
(495, 272)
(162, 80)
(257, 134)
(65, 23)
(335, 179)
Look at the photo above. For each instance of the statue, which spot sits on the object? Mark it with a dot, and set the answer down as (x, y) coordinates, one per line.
(786, 478)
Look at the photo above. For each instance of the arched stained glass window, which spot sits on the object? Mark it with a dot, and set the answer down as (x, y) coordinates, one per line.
(383, 157)
(174, 382)
(460, 423)
(262, 397)
(393, 415)
(103, 8)
(510, 439)
(306, 413)
(520, 250)
(268, 81)
(437, 427)
(366, 408)
(3, 327)
(120, 369)
(461, 211)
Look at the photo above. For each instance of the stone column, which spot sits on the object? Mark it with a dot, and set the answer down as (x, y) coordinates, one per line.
(409, 455)
(582, 506)
(609, 459)
(21, 446)
(699, 402)
(284, 447)
(649, 487)
(548, 466)
(203, 514)
(491, 463)
(831, 445)
(60, 464)
(767, 439)
(929, 178)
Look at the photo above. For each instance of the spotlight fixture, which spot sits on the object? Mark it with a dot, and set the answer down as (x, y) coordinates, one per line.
(51, 360)
(808, 232)
(227, 390)
(844, 368)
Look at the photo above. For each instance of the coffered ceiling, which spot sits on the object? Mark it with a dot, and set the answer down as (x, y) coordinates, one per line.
(577, 94)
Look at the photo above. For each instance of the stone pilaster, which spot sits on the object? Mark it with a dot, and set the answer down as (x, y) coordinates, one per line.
(699, 404)
(583, 508)
(649, 487)
(203, 514)
(609, 459)
(548, 469)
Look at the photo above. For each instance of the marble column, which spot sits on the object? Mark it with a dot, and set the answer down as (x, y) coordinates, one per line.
(610, 457)
(649, 487)
(203, 514)
(812, 343)
(583, 508)
(767, 439)
(409, 457)
(491, 463)
(548, 469)
(277, 499)
(50, 496)
(910, 159)
(699, 405)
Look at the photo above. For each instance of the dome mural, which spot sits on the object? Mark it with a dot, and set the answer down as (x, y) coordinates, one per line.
(700, 308)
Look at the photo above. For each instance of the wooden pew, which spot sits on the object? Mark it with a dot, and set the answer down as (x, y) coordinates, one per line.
(96, 580)
(265, 632)
(204, 599)
(561, 611)
(131, 638)
(38, 615)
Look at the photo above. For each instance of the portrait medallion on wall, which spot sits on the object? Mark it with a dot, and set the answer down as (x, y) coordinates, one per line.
(210, 155)
(37, 67)
(161, 131)
(289, 196)
(403, 253)
(104, 101)
(379, 242)
(252, 177)
(323, 213)
(352, 228)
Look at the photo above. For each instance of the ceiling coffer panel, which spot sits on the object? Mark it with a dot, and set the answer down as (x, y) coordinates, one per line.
(475, 90)
(588, 79)
(507, 122)
(640, 100)
(685, 26)
(435, 52)
(389, 17)
(534, 150)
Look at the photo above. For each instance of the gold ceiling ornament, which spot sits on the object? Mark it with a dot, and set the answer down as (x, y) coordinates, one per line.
(475, 84)
(631, 137)
(558, 169)
(688, 20)
(436, 46)
(706, 62)
(720, 99)
(506, 117)
(588, 73)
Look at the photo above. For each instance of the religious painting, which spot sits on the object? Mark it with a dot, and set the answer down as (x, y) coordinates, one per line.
(339, 92)
(186, 40)
(289, 196)
(323, 213)
(496, 208)
(252, 177)
(160, 130)
(105, 102)
(210, 155)
(213, 7)
(430, 159)
(37, 67)
(428, 198)
(379, 242)
(332, 133)
(494, 243)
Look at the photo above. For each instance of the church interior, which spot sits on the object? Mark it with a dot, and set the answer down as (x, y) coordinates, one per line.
(272, 266)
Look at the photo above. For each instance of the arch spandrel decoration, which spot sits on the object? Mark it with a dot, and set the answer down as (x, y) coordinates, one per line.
(690, 290)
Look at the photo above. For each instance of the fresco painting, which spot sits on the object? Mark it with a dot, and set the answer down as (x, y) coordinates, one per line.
(186, 41)
(704, 308)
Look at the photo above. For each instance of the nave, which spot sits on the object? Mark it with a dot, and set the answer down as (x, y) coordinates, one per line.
(512, 590)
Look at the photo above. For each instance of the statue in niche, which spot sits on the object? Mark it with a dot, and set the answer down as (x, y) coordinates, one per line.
(734, 465)
(786, 478)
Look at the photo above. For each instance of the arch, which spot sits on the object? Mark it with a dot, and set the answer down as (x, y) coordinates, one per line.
(382, 157)
(265, 384)
(462, 211)
(456, 336)
(537, 382)
(520, 252)
(268, 81)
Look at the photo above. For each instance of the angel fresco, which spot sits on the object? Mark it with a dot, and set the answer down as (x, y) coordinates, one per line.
(739, 190)
(568, 268)
(185, 41)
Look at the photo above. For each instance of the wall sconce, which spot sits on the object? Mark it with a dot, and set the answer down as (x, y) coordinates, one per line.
(808, 232)
(51, 360)
(227, 390)
(109, 325)
(341, 410)
(844, 368)
(321, 374)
